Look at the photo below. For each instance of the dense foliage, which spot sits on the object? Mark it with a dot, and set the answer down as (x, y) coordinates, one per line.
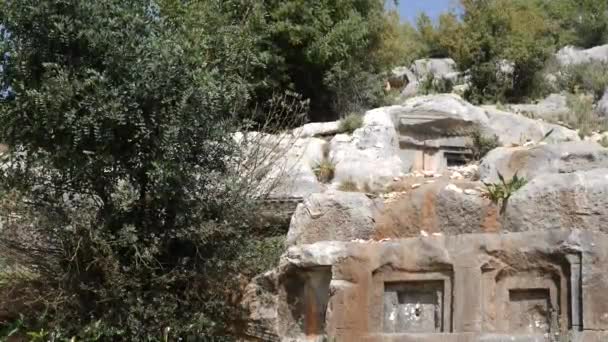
(330, 52)
(504, 44)
(129, 212)
(126, 197)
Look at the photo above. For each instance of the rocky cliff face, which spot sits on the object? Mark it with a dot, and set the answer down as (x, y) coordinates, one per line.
(533, 286)
(418, 250)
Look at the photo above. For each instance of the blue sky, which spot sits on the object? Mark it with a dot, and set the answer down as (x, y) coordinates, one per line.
(409, 9)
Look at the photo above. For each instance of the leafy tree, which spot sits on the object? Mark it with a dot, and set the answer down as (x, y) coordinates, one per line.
(582, 23)
(415, 47)
(431, 36)
(498, 35)
(327, 51)
(122, 176)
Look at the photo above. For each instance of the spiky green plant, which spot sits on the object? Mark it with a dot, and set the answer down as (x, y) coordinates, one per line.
(501, 192)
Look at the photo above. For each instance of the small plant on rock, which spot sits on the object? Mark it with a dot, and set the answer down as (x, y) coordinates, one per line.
(481, 144)
(351, 122)
(501, 192)
(324, 170)
(348, 185)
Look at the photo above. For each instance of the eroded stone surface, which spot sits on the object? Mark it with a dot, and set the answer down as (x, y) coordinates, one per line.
(335, 215)
(529, 162)
(571, 55)
(496, 287)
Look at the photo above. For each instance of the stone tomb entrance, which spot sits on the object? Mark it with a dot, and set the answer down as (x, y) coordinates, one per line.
(531, 311)
(413, 307)
(535, 301)
(307, 293)
(411, 302)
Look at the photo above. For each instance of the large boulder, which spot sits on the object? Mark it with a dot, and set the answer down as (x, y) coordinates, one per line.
(316, 129)
(284, 163)
(571, 55)
(551, 108)
(447, 107)
(450, 115)
(530, 162)
(333, 215)
(401, 76)
(434, 67)
(515, 129)
(441, 207)
(577, 200)
(369, 157)
(437, 69)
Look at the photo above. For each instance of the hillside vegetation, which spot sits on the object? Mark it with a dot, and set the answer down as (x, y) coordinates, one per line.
(127, 205)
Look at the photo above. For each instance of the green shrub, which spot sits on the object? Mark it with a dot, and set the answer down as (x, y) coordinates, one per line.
(582, 116)
(501, 192)
(591, 78)
(324, 170)
(431, 85)
(130, 205)
(350, 123)
(481, 144)
(497, 31)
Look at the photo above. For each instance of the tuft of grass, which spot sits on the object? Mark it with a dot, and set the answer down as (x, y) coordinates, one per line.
(348, 186)
(325, 170)
(350, 123)
(582, 116)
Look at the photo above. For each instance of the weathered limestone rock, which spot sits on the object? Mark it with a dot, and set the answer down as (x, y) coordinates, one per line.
(400, 77)
(282, 163)
(475, 287)
(530, 162)
(571, 55)
(434, 130)
(450, 114)
(409, 79)
(435, 67)
(441, 207)
(514, 129)
(549, 108)
(448, 107)
(292, 175)
(553, 201)
(334, 215)
(315, 129)
(426, 133)
(370, 156)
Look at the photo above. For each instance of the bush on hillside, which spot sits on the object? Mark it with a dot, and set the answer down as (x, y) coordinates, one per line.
(350, 123)
(129, 199)
(482, 144)
(330, 52)
(582, 116)
(591, 78)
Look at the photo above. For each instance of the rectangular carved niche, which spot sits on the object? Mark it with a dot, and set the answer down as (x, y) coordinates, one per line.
(307, 295)
(413, 307)
(530, 311)
(544, 298)
(411, 302)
